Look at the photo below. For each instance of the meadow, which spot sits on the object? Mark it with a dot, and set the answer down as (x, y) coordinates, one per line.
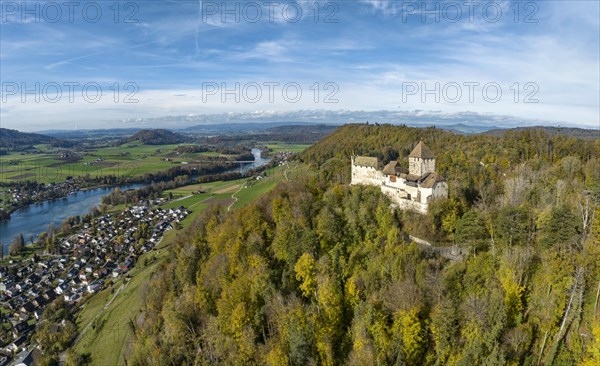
(282, 146)
(128, 160)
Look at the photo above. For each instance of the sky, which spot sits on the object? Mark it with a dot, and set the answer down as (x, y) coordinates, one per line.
(159, 63)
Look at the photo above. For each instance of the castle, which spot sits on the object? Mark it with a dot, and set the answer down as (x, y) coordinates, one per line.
(408, 190)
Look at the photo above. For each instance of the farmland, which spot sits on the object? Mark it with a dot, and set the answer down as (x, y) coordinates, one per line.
(47, 165)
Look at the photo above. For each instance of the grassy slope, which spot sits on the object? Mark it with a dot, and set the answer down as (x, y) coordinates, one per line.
(108, 340)
(281, 146)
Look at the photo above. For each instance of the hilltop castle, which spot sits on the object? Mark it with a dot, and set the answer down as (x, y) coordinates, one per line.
(408, 190)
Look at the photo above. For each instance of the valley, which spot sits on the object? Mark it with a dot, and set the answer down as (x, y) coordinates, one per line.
(287, 263)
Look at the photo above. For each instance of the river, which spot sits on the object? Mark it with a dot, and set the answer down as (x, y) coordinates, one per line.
(35, 218)
(258, 161)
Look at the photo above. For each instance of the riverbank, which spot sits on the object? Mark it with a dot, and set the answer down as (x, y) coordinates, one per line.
(35, 218)
(15, 195)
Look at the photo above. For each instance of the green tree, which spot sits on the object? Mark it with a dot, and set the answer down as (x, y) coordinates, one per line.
(512, 226)
(471, 231)
(18, 246)
(75, 358)
(562, 227)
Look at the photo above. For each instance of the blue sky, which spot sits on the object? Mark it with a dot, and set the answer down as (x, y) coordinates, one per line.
(185, 62)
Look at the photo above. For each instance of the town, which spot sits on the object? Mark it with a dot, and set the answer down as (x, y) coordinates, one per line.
(101, 250)
(20, 195)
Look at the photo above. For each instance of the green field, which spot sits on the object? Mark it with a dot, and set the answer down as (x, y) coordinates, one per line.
(105, 325)
(280, 146)
(131, 160)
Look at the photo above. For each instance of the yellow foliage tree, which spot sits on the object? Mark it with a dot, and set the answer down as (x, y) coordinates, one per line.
(593, 354)
(413, 335)
(277, 357)
(306, 274)
(513, 294)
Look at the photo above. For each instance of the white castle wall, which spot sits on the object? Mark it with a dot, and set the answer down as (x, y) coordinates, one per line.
(418, 166)
(403, 195)
(366, 175)
(440, 190)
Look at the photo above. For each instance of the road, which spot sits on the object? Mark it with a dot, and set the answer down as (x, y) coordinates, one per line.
(234, 197)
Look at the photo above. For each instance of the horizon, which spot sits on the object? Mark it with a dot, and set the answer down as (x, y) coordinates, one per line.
(181, 123)
(129, 64)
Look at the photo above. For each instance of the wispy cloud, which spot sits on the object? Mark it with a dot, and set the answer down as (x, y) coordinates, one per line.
(370, 52)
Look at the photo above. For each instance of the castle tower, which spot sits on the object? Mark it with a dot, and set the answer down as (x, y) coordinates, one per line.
(421, 160)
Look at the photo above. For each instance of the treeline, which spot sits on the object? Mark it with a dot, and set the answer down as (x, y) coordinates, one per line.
(152, 191)
(190, 149)
(316, 272)
(239, 152)
(208, 167)
(464, 160)
(155, 190)
(21, 141)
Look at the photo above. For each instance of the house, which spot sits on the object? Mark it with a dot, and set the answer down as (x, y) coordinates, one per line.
(38, 314)
(72, 296)
(60, 289)
(39, 301)
(12, 291)
(94, 286)
(5, 285)
(34, 279)
(27, 307)
(18, 344)
(49, 295)
(22, 328)
(24, 358)
(413, 189)
(100, 272)
(127, 263)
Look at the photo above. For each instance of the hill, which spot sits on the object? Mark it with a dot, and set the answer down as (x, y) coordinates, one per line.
(300, 134)
(303, 128)
(292, 134)
(581, 133)
(157, 137)
(238, 128)
(317, 272)
(86, 134)
(468, 129)
(13, 139)
(388, 142)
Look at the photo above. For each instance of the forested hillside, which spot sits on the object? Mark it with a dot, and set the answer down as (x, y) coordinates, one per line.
(581, 133)
(318, 272)
(157, 137)
(13, 139)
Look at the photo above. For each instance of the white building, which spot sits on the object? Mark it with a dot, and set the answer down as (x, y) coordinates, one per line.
(408, 190)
